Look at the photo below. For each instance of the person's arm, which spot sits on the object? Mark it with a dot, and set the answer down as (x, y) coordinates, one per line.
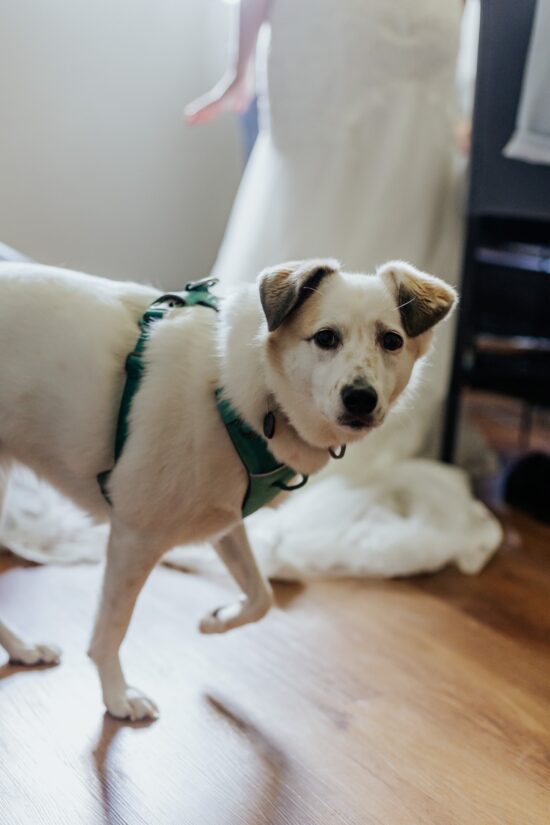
(236, 89)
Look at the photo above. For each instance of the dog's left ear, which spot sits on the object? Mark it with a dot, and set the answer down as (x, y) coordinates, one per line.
(422, 300)
(284, 288)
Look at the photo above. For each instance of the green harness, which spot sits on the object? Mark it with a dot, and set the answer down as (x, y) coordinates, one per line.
(266, 476)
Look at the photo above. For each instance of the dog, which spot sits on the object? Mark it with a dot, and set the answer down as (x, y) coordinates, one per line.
(325, 353)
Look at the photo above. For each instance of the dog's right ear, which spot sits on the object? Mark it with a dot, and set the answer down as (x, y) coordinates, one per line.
(284, 288)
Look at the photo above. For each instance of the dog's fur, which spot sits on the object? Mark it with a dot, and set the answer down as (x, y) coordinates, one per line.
(64, 337)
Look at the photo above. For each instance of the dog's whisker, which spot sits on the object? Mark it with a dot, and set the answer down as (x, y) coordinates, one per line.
(406, 303)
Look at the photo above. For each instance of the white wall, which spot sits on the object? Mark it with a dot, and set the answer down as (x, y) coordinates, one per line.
(97, 170)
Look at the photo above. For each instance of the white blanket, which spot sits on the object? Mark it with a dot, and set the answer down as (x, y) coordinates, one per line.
(416, 516)
(531, 139)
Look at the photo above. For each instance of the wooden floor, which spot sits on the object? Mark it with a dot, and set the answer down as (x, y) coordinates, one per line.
(422, 701)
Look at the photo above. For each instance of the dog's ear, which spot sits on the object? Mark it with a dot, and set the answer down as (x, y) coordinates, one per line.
(284, 288)
(422, 300)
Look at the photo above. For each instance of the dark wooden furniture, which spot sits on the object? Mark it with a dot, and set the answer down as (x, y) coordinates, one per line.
(503, 337)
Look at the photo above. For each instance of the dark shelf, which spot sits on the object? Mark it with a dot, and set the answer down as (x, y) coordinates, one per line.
(524, 257)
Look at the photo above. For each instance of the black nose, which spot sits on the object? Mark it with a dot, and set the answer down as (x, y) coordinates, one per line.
(359, 400)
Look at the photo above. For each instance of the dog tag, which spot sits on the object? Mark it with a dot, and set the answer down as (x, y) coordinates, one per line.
(269, 425)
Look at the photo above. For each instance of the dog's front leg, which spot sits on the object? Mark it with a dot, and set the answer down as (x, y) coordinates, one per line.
(130, 558)
(236, 553)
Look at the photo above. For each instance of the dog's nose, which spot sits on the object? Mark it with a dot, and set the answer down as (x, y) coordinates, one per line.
(359, 400)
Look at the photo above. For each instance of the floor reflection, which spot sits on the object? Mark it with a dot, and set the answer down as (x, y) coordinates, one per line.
(274, 802)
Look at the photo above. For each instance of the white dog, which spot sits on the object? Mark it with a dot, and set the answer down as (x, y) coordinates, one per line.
(312, 356)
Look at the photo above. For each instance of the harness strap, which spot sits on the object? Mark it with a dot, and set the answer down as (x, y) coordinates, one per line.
(266, 476)
(196, 293)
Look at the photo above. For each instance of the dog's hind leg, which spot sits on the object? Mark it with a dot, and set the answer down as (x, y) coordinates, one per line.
(5, 467)
(22, 652)
(236, 553)
(18, 649)
(130, 559)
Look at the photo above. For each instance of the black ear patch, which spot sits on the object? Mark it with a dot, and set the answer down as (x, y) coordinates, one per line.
(419, 312)
(308, 287)
(284, 289)
(277, 303)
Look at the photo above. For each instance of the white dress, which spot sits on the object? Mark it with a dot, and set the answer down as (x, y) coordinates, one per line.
(355, 158)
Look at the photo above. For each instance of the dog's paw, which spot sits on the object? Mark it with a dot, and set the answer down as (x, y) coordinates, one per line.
(36, 655)
(133, 705)
(234, 615)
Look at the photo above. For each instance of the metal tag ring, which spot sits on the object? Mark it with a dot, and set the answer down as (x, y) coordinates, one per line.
(339, 455)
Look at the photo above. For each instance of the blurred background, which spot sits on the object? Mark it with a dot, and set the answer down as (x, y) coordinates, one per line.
(97, 170)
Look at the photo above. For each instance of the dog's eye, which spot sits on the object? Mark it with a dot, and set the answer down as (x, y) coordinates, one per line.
(327, 338)
(392, 341)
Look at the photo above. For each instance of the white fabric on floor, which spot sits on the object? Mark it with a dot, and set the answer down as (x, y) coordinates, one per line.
(413, 518)
(41, 525)
(530, 141)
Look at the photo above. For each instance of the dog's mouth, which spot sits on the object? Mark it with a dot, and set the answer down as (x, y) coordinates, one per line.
(356, 423)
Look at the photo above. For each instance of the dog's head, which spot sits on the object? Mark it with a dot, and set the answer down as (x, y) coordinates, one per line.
(341, 347)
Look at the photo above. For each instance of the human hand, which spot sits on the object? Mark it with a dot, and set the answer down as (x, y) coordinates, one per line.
(233, 93)
(463, 135)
